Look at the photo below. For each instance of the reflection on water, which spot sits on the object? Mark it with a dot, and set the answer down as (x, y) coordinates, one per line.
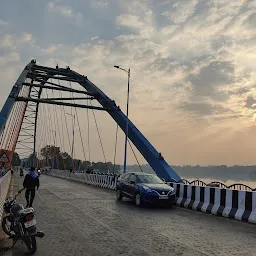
(252, 184)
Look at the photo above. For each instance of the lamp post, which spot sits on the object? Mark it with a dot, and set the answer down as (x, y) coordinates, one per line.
(127, 113)
(73, 140)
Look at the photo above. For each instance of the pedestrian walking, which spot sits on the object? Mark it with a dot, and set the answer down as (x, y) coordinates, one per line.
(31, 181)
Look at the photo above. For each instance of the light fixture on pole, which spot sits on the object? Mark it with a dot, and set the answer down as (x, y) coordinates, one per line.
(127, 113)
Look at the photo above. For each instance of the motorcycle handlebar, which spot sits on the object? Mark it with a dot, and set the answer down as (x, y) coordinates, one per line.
(18, 192)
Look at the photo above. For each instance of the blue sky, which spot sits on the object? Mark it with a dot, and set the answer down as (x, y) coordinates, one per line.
(193, 66)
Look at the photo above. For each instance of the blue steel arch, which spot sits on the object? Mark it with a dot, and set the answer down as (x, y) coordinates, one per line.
(152, 156)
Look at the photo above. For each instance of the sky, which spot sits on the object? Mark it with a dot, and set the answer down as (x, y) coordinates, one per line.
(193, 68)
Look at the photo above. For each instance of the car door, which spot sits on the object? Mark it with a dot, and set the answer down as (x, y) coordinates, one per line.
(124, 183)
(131, 186)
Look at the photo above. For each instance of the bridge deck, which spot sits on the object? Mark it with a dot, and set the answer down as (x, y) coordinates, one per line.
(84, 220)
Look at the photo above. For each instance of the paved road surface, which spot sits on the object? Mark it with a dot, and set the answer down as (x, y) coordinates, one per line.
(83, 220)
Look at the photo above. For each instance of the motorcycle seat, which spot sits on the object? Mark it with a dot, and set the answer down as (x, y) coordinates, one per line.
(27, 211)
(17, 209)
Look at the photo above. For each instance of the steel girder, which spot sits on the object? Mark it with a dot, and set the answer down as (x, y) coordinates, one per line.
(41, 74)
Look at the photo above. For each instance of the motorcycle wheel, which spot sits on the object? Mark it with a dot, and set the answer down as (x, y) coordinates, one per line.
(31, 244)
(5, 226)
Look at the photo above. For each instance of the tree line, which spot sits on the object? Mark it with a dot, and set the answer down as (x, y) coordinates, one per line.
(52, 157)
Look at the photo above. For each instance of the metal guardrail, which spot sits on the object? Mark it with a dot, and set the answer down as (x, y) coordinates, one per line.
(218, 184)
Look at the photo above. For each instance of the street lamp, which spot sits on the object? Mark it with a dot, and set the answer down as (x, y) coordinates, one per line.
(73, 141)
(127, 112)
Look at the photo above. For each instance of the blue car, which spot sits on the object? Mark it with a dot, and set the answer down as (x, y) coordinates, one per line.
(142, 187)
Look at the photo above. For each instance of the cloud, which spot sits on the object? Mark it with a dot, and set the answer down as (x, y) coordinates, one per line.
(3, 23)
(181, 11)
(201, 108)
(65, 11)
(14, 42)
(210, 78)
(193, 64)
(9, 58)
(100, 4)
(250, 102)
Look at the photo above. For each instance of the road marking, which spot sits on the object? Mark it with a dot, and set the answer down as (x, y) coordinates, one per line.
(55, 194)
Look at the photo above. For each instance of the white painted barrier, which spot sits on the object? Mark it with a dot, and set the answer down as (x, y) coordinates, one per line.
(104, 181)
(4, 187)
(234, 204)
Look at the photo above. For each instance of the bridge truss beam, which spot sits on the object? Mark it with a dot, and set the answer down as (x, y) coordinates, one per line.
(41, 75)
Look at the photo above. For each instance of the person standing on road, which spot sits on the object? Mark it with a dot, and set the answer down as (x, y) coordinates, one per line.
(30, 182)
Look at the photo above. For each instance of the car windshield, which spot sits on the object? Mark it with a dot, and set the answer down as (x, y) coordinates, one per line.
(150, 179)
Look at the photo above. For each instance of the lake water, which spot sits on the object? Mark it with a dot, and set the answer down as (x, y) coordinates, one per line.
(252, 184)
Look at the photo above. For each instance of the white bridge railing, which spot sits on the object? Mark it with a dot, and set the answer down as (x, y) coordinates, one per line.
(104, 181)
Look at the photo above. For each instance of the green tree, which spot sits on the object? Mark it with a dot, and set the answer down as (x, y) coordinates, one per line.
(31, 161)
(51, 153)
(16, 159)
(65, 160)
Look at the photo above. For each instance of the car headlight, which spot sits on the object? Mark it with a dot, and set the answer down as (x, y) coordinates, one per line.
(146, 188)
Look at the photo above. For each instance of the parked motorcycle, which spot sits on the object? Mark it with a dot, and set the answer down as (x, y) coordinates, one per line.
(19, 223)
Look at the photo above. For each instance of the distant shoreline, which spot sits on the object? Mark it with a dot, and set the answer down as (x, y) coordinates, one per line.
(218, 173)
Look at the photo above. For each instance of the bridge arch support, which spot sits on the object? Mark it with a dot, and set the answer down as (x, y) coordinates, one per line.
(41, 74)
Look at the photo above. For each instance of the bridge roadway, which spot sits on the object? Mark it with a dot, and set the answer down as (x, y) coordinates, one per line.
(84, 220)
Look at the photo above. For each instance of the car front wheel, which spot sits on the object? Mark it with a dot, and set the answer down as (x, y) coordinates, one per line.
(138, 200)
(119, 195)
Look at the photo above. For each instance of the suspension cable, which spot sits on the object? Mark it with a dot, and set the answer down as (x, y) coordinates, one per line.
(63, 110)
(47, 129)
(51, 127)
(88, 133)
(98, 134)
(114, 163)
(57, 119)
(134, 154)
(79, 128)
